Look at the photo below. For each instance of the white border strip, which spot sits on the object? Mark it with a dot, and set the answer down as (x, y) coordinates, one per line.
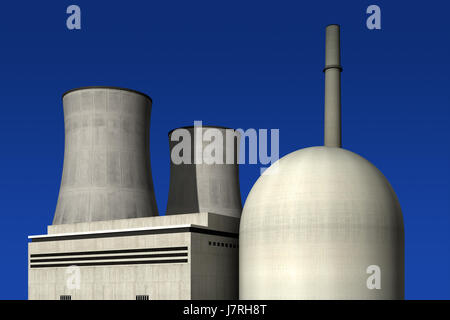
(116, 231)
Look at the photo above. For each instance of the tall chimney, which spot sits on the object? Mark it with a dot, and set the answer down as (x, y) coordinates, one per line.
(332, 70)
(106, 173)
(200, 184)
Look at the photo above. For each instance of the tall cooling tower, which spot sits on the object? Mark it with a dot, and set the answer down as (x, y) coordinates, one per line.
(204, 186)
(106, 172)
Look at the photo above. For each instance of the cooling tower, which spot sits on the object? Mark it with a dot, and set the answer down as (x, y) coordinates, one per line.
(322, 222)
(199, 183)
(106, 173)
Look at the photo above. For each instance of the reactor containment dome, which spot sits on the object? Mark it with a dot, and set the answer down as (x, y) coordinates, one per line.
(322, 220)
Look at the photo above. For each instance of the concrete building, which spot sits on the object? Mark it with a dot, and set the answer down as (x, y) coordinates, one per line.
(185, 256)
(322, 222)
(106, 241)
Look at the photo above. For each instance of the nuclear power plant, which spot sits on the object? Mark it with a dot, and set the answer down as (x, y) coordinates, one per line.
(207, 185)
(320, 223)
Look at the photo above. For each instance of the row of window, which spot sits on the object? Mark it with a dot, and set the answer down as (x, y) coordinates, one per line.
(222, 244)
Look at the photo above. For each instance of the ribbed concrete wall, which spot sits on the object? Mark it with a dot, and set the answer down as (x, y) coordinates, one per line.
(203, 187)
(161, 281)
(106, 172)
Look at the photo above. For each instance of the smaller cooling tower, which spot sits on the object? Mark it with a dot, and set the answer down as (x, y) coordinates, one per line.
(204, 186)
(106, 173)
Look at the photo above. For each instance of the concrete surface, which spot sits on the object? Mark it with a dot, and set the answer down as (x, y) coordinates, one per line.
(207, 187)
(332, 128)
(186, 256)
(320, 218)
(311, 230)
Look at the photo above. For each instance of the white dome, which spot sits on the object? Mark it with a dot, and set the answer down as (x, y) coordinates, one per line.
(312, 225)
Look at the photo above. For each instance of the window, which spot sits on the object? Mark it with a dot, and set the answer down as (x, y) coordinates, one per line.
(65, 297)
(223, 244)
(142, 297)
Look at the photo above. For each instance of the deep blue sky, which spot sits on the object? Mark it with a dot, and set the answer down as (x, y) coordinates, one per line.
(239, 64)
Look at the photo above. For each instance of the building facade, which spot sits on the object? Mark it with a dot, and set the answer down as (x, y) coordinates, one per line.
(185, 256)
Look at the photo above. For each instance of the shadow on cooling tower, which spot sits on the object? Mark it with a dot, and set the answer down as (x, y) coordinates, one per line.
(204, 187)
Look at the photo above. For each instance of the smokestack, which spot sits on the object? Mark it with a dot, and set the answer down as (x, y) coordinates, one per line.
(332, 70)
(106, 173)
(198, 184)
